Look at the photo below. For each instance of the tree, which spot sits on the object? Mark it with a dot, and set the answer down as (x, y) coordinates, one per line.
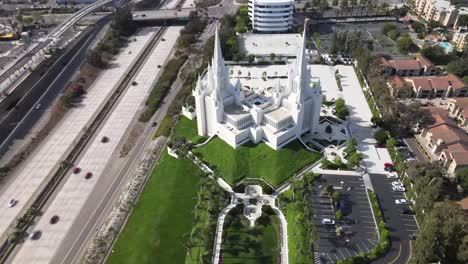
(458, 67)
(442, 236)
(354, 159)
(412, 115)
(336, 196)
(462, 176)
(341, 111)
(404, 44)
(94, 58)
(272, 56)
(434, 53)
(251, 58)
(387, 27)
(123, 22)
(335, 3)
(381, 136)
(329, 189)
(393, 34)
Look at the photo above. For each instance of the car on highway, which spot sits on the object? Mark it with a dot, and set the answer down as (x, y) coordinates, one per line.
(76, 170)
(134, 83)
(12, 203)
(38, 106)
(401, 202)
(392, 175)
(396, 183)
(35, 235)
(328, 221)
(54, 219)
(88, 175)
(104, 139)
(143, 15)
(398, 188)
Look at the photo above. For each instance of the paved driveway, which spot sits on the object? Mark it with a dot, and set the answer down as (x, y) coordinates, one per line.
(401, 226)
(360, 113)
(358, 223)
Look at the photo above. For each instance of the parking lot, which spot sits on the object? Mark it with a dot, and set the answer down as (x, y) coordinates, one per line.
(401, 226)
(371, 31)
(360, 234)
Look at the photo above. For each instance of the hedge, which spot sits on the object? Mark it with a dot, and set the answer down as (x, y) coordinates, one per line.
(162, 86)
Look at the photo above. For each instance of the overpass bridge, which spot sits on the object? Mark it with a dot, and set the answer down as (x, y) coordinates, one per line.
(180, 14)
(19, 69)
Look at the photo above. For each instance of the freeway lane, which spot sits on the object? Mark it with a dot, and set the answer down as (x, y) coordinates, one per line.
(400, 226)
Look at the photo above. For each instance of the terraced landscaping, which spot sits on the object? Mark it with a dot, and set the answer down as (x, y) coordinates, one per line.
(256, 161)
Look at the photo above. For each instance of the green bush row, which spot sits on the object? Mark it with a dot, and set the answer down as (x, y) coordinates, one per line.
(162, 86)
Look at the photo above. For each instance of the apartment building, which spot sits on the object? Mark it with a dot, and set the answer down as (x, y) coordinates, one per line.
(441, 11)
(428, 87)
(444, 141)
(460, 38)
(419, 66)
(271, 15)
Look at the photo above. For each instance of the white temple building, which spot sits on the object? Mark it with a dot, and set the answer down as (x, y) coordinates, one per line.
(248, 103)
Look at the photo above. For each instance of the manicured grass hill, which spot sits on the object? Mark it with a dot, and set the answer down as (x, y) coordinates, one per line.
(188, 129)
(256, 161)
(162, 215)
(243, 244)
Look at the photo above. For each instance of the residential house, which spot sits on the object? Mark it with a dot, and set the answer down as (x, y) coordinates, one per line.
(441, 11)
(419, 66)
(428, 87)
(444, 141)
(460, 38)
(458, 109)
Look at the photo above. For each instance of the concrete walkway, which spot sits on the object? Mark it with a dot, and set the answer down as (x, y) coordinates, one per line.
(360, 113)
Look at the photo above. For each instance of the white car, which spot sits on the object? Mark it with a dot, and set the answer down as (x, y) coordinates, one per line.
(392, 175)
(396, 183)
(398, 188)
(401, 202)
(11, 203)
(328, 221)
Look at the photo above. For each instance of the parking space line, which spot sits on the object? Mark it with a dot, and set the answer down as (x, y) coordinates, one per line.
(370, 241)
(367, 250)
(341, 253)
(360, 249)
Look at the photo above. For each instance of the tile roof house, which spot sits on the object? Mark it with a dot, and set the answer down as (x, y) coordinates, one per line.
(444, 141)
(419, 66)
(458, 109)
(429, 86)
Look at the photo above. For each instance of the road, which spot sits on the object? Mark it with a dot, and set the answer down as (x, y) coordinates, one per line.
(401, 226)
(97, 159)
(18, 122)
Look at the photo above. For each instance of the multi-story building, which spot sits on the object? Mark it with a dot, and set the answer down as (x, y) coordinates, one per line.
(271, 15)
(419, 66)
(444, 141)
(241, 103)
(428, 87)
(441, 11)
(460, 39)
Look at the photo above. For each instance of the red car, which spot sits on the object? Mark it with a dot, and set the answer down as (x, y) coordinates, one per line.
(76, 170)
(388, 164)
(88, 175)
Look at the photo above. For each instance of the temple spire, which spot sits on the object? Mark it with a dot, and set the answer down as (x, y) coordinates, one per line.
(218, 60)
(301, 58)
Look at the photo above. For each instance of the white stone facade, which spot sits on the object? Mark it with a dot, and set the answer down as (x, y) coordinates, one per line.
(271, 15)
(272, 109)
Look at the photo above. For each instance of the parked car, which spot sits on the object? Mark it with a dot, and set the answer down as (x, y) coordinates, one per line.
(388, 164)
(328, 221)
(389, 169)
(35, 235)
(407, 212)
(398, 188)
(76, 170)
(378, 145)
(401, 202)
(392, 175)
(396, 183)
(12, 203)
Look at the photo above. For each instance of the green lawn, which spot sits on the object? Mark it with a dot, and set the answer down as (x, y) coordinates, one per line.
(162, 215)
(246, 245)
(188, 129)
(256, 161)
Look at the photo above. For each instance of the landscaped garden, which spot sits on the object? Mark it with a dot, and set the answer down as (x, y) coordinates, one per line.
(256, 161)
(249, 245)
(161, 217)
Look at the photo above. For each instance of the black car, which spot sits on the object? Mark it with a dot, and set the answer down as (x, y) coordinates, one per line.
(407, 211)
